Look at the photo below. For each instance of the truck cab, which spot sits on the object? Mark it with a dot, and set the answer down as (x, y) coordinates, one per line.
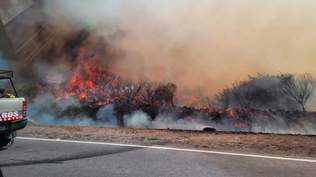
(12, 111)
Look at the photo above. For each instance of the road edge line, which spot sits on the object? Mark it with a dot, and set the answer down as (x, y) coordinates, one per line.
(170, 148)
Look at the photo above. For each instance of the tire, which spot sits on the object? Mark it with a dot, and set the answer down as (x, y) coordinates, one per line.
(4, 142)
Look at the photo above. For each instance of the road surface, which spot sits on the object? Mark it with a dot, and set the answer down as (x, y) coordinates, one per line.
(33, 157)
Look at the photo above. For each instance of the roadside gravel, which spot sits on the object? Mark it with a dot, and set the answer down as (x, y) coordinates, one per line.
(284, 145)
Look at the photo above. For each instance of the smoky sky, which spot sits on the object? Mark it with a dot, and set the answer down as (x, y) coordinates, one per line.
(205, 43)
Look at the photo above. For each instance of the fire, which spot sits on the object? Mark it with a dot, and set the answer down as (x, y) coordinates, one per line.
(207, 109)
(189, 100)
(104, 103)
(193, 99)
(73, 80)
(89, 84)
(230, 112)
(94, 86)
(85, 81)
(266, 117)
(182, 96)
(241, 125)
(82, 95)
(49, 79)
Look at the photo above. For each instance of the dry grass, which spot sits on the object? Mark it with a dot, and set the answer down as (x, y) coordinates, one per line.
(288, 145)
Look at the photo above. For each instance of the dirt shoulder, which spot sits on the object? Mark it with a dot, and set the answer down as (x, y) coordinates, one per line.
(284, 145)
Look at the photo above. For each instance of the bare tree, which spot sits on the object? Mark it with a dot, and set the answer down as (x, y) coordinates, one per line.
(211, 103)
(126, 95)
(224, 98)
(242, 94)
(116, 92)
(166, 92)
(133, 91)
(298, 88)
(150, 95)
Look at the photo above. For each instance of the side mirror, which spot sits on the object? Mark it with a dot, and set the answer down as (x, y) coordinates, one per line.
(2, 90)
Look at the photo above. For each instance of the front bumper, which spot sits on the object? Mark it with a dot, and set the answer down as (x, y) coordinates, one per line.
(14, 125)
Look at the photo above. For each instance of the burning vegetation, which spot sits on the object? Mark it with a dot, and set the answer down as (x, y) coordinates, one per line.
(87, 91)
(81, 68)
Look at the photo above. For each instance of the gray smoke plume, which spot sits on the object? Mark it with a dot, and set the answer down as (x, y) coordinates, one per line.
(205, 44)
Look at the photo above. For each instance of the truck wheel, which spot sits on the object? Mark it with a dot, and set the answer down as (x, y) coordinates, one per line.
(4, 142)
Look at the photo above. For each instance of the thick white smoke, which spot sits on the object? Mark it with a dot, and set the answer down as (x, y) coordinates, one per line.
(106, 114)
(40, 112)
(139, 119)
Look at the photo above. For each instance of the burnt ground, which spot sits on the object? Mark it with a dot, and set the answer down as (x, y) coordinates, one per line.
(277, 144)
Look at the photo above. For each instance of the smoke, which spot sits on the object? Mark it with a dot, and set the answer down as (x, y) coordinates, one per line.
(170, 122)
(69, 112)
(41, 112)
(204, 44)
(139, 119)
(276, 126)
(106, 114)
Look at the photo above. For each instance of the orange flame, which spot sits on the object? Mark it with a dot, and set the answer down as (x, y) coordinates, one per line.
(83, 77)
(230, 112)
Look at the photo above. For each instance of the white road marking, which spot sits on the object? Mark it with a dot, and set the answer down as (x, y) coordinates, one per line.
(169, 148)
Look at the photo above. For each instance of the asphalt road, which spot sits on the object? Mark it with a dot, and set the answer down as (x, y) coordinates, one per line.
(46, 158)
